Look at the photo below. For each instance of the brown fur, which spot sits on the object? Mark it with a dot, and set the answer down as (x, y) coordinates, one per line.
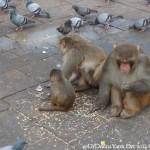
(130, 92)
(82, 60)
(62, 93)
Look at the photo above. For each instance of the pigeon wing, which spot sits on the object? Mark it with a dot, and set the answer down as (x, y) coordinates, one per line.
(7, 148)
(34, 8)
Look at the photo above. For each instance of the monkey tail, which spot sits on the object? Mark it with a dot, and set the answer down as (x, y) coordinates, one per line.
(115, 18)
(93, 11)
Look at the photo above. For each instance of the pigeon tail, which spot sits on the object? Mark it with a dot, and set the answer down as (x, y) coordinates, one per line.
(148, 21)
(115, 18)
(93, 11)
(44, 14)
(31, 21)
(131, 27)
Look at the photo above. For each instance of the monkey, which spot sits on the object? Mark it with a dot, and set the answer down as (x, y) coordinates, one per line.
(62, 93)
(82, 61)
(125, 81)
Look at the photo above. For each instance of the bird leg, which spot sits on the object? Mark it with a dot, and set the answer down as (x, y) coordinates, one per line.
(76, 30)
(33, 16)
(105, 27)
(19, 29)
(142, 29)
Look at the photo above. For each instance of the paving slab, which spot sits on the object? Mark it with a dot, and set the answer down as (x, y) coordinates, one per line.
(138, 4)
(131, 36)
(26, 59)
(38, 52)
(65, 125)
(14, 81)
(118, 132)
(15, 126)
(4, 106)
(39, 70)
(7, 44)
(9, 61)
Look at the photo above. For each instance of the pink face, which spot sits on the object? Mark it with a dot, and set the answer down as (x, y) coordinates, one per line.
(125, 67)
(52, 78)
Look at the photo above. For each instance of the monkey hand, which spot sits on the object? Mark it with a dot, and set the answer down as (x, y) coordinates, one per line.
(126, 87)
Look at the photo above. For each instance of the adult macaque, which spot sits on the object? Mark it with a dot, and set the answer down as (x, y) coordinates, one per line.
(62, 93)
(126, 79)
(83, 61)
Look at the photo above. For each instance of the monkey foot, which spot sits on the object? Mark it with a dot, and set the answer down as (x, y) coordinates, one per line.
(125, 114)
(115, 111)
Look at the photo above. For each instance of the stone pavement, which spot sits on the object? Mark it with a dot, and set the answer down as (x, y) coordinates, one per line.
(24, 66)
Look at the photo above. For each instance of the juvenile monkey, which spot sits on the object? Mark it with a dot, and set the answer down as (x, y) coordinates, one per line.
(62, 93)
(126, 81)
(83, 61)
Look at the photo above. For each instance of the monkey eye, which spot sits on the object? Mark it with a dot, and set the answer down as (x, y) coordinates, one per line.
(118, 62)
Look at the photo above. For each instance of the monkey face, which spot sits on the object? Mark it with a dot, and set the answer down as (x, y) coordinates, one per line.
(56, 75)
(126, 57)
(52, 78)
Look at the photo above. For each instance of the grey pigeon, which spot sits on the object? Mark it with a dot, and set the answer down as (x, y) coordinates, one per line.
(72, 23)
(148, 2)
(18, 146)
(66, 28)
(36, 9)
(19, 20)
(4, 4)
(105, 19)
(140, 24)
(83, 11)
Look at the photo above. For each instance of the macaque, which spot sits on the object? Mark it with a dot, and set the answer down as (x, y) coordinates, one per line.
(83, 61)
(62, 94)
(125, 81)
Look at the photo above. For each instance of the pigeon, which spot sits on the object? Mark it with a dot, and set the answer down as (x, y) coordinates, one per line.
(36, 10)
(66, 28)
(19, 20)
(4, 4)
(18, 146)
(140, 24)
(72, 23)
(83, 11)
(148, 2)
(105, 19)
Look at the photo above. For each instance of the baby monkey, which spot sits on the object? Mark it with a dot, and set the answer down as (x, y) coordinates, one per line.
(62, 93)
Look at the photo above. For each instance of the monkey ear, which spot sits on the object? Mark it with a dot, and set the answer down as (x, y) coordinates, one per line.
(63, 42)
(115, 45)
